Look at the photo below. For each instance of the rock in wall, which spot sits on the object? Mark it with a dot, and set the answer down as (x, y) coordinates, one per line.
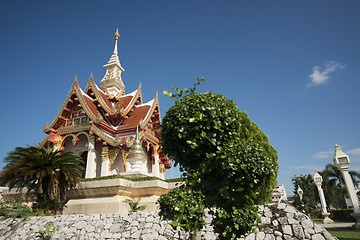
(278, 221)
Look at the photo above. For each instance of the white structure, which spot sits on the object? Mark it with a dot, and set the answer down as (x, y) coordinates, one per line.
(318, 181)
(300, 192)
(342, 161)
(279, 193)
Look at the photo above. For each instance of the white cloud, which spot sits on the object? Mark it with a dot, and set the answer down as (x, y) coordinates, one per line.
(322, 155)
(319, 76)
(355, 151)
(309, 167)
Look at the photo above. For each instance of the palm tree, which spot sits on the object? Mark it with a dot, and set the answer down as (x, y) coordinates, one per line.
(47, 173)
(334, 175)
(332, 172)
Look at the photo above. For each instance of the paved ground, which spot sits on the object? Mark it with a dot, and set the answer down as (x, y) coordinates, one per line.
(337, 225)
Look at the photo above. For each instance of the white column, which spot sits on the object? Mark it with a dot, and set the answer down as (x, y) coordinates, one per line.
(91, 159)
(322, 200)
(105, 161)
(155, 166)
(351, 190)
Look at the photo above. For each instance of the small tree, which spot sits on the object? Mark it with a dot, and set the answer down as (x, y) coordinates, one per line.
(227, 158)
(334, 194)
(47, 173)
(134, 205)
(310, 195)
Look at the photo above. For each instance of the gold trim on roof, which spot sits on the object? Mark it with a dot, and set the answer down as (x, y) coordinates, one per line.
(64, 105)
(155, 104)
(74, 129)
(91, 83)
(132, 102)
(74, 89)
(113, 154)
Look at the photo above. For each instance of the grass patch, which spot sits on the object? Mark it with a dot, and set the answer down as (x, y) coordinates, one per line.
(130, 179)
(345, 233)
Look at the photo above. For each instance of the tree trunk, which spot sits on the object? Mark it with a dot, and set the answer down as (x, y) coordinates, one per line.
(196, 235)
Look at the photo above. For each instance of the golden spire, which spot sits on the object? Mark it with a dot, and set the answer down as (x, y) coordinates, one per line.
(117, 35)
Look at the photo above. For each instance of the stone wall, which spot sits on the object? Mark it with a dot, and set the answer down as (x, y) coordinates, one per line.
(279, 221)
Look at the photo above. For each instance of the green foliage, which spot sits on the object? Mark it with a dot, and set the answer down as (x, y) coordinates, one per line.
(197, 127)
(244, 167)
(134, 205)
(334, 174)
(310, 194)
(342, 215)
(184, 207)
(236, 221)
(228, 160)
(140, 179)
(182, 92)
(17, 209)
(48, 233)
(250, 130)
(315, 214)
(334, 185)
(46, 172)
(334, 194)
(44, 203)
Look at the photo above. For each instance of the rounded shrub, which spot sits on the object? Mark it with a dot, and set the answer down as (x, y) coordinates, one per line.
(245, 169)
(198, 126)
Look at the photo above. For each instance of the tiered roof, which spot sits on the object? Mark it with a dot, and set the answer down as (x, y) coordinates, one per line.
(109, 113)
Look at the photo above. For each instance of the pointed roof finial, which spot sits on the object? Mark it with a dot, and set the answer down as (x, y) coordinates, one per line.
(117, 35)
(136, 149)
(339, 152)
(112, 80)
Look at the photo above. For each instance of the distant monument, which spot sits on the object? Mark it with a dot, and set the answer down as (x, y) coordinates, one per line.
(114, 132)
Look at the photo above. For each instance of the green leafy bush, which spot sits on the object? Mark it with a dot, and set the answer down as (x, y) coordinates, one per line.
(315, 214)
(197, 127)
(184, 207)
(235, 221)
(17, 209)
(140, 179)
(244, 168)
(310, 196)
(228, 160)
(342, 215)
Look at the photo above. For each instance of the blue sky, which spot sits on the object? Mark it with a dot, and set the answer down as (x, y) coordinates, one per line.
(294, 66)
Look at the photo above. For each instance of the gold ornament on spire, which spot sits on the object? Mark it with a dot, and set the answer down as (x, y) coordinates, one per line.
(117, 35)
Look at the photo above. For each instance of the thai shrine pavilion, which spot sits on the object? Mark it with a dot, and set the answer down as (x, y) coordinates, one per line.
(114, 132)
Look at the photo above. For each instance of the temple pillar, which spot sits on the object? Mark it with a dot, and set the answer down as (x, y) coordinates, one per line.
(105, 161)
(91, 159)
(155, 166)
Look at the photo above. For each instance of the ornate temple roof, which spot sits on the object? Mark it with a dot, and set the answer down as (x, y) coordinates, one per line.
(107, 112)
